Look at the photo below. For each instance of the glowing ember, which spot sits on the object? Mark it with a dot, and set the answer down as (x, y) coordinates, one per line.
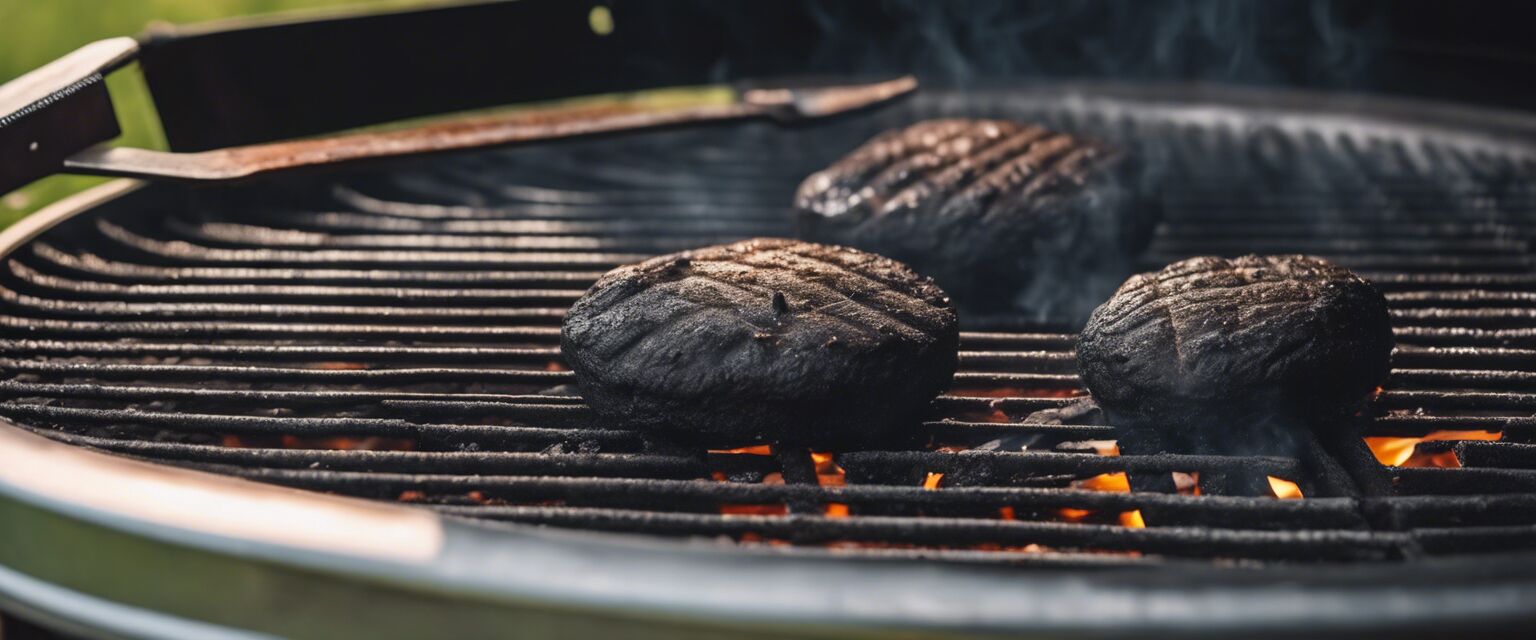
(754, 538)
(1006, 513)
(1074, 515)
(348, 443)
(836, 510)
(1187, 484)
(758, 450)
(1132, 519)
(341, 366)
(412, 496)
(1284, 489)
(1402, 452)
(555, 365)
(997, 415)
(933, 480)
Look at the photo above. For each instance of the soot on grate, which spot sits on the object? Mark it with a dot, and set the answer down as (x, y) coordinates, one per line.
(395, 336)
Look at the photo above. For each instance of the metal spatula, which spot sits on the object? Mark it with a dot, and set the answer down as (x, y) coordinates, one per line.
(57, 115)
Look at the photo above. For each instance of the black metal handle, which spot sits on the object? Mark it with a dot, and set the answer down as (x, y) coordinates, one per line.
(57, 110)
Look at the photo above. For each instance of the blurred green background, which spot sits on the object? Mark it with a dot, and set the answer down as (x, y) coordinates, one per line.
(35, 32)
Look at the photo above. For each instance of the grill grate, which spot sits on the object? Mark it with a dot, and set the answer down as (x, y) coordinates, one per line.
(395, 336)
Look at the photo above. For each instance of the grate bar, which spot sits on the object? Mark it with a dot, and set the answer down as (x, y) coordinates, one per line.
(439, 462)
(441, 434)
(76, 289)
(314, 353)
(554, 407)
(181, 251)
(288, 375)
(93, 266)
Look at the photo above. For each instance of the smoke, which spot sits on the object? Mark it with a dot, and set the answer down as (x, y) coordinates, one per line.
(1313, 43)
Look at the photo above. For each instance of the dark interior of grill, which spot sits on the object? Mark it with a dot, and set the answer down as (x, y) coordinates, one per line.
(394, 334)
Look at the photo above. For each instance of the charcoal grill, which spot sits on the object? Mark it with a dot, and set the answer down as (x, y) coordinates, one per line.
(391, 334)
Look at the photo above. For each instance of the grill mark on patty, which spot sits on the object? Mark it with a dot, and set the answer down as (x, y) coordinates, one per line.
(921, 309)
(981, 195)
(838, 185)
(880, 291)
(869, 318)
(965, 174)
(911, 182)
(878, 317)
(884, 271)
(1161, 296)
(935, 190)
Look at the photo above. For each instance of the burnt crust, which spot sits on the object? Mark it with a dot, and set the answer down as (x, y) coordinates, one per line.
(1002, 214)
(1208, 348)
(766, 340)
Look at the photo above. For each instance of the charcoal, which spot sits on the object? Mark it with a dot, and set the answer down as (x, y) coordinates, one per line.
(1006, 216)
(1221, 355)
(766, 340)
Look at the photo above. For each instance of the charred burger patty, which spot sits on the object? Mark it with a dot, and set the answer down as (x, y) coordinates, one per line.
(1002, 214)
(765, 340)
(1221, 344)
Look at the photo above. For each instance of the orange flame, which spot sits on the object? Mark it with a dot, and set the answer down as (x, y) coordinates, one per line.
(1284, 489)
(1402, 452)
(828, 472)
(933, 480)
(1112, 482)
(1105, 447)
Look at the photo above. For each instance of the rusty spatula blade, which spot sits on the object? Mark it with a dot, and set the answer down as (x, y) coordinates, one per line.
(235, 163)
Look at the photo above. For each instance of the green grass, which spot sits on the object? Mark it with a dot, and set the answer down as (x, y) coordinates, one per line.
(35, 32)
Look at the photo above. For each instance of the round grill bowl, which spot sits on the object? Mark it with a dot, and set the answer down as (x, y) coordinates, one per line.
(105, 545)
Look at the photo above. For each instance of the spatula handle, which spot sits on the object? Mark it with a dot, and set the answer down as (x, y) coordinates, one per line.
(57, 110)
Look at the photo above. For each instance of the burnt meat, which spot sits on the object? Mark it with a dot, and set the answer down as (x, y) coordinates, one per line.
(1213, 350)
(767, 340)
(1004, 215)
